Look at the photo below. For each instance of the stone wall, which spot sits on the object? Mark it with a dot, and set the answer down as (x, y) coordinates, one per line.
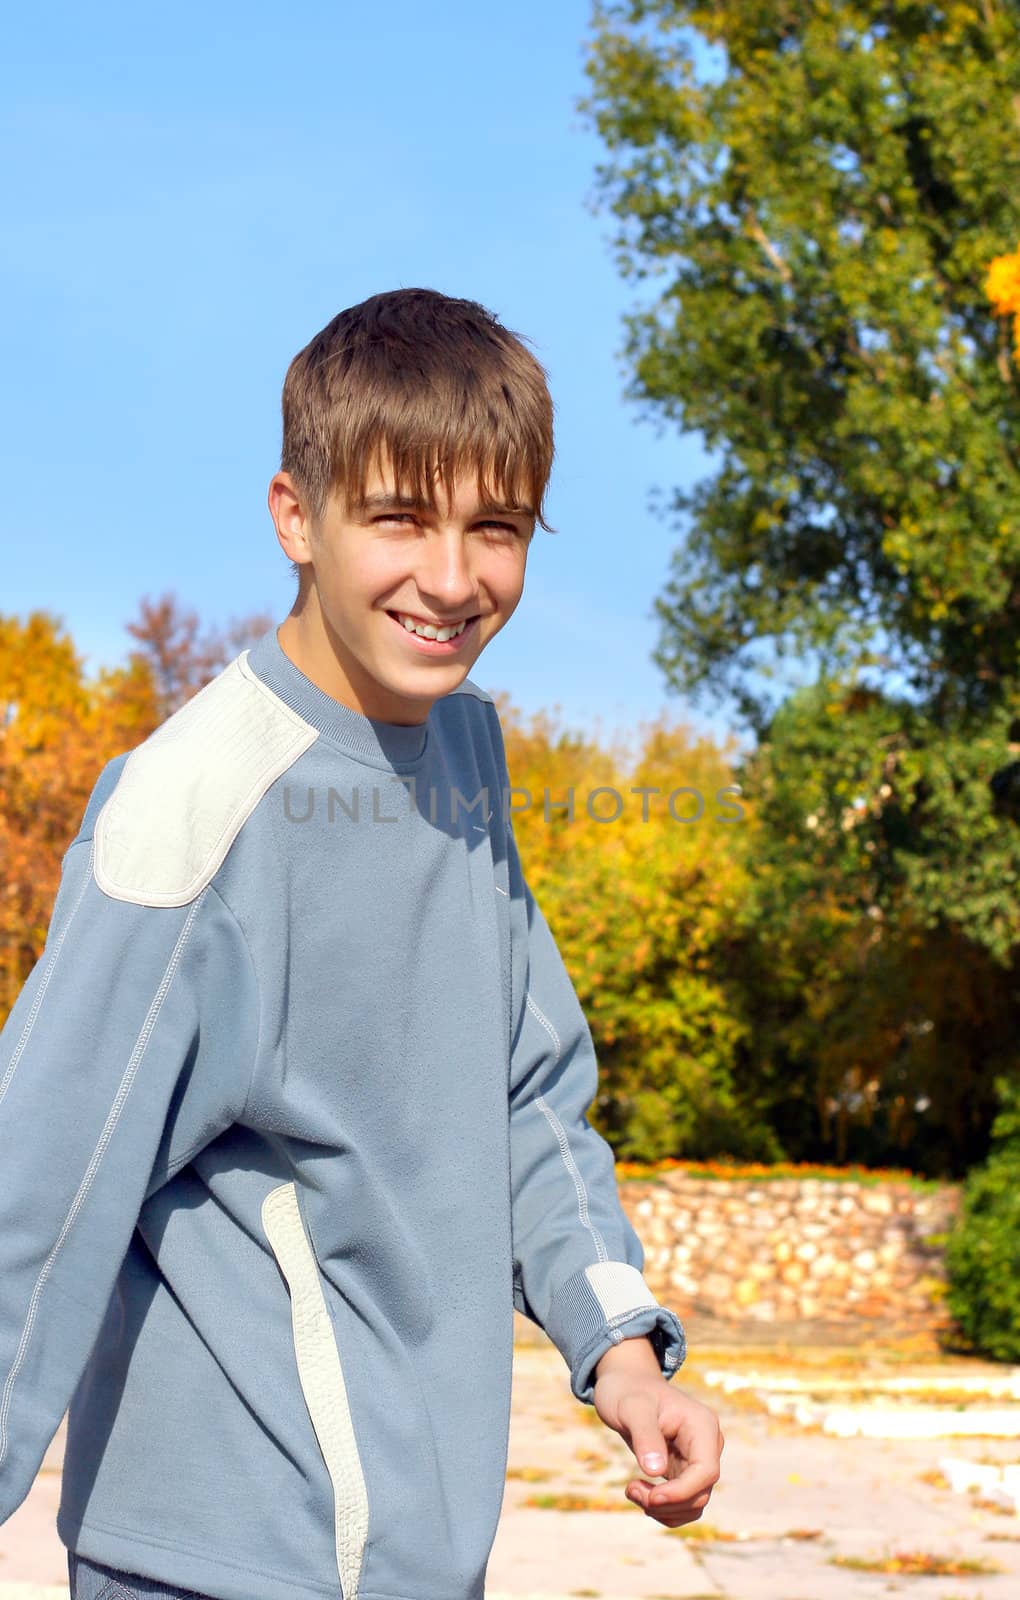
(799, 1258)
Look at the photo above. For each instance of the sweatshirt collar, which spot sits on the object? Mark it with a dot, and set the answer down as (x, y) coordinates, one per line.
(379, 742)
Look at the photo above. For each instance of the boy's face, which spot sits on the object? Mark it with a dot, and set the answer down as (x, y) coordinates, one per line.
(381, 564)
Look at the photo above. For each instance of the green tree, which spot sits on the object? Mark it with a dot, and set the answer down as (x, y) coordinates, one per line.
(878, 1033)
(818, 203)
(983, 1252)
(809, 196)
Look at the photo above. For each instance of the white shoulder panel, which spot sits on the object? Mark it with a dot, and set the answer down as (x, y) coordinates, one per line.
(184, 795)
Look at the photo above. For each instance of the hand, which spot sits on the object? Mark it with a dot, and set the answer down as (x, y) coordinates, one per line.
(671, 1435)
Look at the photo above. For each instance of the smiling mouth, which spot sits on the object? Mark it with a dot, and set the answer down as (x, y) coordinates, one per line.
(442, 632)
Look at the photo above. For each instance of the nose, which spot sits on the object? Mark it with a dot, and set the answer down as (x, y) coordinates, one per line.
(445, 577)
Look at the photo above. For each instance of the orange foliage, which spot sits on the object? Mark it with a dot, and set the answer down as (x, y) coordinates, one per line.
(57, 732)
(644, 883)
(1002, 286)
(763, 1171)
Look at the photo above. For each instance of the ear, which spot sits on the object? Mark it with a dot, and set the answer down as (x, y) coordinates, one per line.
(293, 523)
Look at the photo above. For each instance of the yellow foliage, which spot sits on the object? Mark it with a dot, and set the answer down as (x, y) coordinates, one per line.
(1003, 284)
(57, 731)
(644, 889)
(1002, 287)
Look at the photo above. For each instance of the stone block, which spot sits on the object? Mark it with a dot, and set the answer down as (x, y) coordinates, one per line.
(822, 1266)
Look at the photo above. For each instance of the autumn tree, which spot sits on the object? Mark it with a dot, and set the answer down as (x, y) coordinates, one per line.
(57, 731)
(639, 862)
(182, 655)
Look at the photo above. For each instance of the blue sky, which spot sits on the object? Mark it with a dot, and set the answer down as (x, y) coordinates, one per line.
(195, 191)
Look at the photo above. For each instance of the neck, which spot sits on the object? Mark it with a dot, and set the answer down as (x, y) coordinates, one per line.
(307, 639)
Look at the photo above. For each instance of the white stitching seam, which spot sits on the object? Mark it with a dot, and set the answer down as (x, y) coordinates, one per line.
(561, 1137)
(130, 1071)
(546, 1024)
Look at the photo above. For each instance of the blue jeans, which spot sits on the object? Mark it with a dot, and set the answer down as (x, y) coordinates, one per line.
(90, 1580)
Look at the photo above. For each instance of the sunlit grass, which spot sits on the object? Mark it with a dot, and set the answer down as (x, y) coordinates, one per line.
(934, 1478)
(708, 1533)
(577, 1502)
(919, 1564)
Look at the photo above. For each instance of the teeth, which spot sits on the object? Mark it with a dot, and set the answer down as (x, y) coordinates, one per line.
(425, 630)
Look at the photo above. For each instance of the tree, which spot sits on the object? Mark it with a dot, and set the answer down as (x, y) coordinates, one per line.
(180, 658)
(983, 1250)
(879, 1031)
(820, 212)
(646, 908)
(57, 731)
(819, 200)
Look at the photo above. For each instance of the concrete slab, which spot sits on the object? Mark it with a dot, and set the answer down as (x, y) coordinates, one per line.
(790, 1503)
(32, 1591)
(984, 1383)
(879, 1409)
(35, 1592)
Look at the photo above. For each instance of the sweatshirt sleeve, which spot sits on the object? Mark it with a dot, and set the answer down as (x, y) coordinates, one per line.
(129, 1047)
(577, 1260)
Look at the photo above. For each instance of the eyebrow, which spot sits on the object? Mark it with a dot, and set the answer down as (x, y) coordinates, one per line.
(396, 502)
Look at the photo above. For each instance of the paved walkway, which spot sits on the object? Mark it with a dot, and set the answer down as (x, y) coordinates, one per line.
(789, 1504)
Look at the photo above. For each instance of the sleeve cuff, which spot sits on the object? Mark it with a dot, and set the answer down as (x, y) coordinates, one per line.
(602, 1305)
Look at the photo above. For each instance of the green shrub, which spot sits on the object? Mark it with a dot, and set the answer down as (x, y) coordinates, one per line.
(983, 1251)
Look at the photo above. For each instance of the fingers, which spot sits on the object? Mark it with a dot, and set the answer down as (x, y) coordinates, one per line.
(684, 1496)
(671, 1514)
(697, 1478)
(697, 1434)
(691, 1488)
(693, 1443)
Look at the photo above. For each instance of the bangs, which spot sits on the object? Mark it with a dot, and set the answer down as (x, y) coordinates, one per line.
(508, 473)
(423, 388)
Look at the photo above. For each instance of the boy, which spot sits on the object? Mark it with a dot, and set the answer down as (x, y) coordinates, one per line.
(292, 1107)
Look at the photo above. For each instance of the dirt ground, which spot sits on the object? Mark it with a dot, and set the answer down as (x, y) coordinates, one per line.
(792, 1506)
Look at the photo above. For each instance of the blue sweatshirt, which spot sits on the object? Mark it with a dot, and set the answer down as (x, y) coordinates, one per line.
(292, 1114)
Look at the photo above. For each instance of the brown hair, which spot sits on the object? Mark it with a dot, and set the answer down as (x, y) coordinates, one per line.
(434, 385)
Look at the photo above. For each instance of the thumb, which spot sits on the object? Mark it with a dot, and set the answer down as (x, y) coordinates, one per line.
(646, 1440)
(652, 1456)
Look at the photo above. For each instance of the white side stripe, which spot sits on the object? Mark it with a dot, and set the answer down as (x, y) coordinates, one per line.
(322, 1381)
